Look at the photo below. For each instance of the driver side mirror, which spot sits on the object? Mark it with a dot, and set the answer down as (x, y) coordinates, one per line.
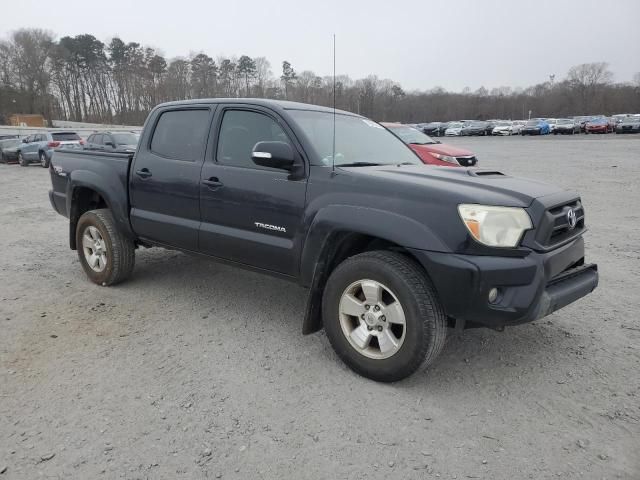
(109, 144)
(273, 155)
(24, 140)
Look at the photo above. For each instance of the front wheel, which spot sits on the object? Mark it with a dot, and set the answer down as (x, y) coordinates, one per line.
(382, 315)
(22, 161)
(107, 256)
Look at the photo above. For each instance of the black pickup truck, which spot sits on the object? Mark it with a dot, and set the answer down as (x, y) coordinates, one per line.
(392, 251)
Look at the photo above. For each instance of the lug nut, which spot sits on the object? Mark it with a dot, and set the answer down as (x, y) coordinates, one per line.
(376, 308)
(367, 307)
(383, 318)
(380, 328)
(369, 327)
(362, 316)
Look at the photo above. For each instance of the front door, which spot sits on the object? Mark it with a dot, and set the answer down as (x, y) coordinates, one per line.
(250, 214)
(165, 178)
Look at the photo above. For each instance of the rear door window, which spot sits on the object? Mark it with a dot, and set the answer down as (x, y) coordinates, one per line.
(181, 134)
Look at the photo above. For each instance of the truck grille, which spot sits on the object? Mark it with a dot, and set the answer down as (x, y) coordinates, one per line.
(555, 227)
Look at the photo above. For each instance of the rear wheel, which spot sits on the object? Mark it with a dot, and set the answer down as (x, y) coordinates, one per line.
(107, 256)
(22, 161)
(382, 315)
(44, 161)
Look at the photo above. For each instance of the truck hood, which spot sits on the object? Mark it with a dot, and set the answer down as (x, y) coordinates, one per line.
(466, 185)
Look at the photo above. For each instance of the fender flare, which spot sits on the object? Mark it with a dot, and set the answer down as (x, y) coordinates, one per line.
(112, 192)
(318, 247)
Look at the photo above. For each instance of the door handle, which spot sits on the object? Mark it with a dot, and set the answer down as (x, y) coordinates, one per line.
(213, 183)
(144, 173)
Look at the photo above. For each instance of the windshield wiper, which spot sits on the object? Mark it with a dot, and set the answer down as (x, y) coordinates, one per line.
(359, 164)
(422, 143)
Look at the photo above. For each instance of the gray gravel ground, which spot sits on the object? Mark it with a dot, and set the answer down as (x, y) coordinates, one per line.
(196, 370)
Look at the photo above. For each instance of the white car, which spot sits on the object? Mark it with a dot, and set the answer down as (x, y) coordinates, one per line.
(453, 130)
(503, 128)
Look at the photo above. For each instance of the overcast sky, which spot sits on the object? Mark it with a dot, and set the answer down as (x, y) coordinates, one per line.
(421, 44)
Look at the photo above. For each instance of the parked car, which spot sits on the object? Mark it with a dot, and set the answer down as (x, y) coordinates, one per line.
(114, 142)
(434, 129)
(8, 136)
(9, 150)
(503, 128)
(536, 127)
(552, 123)
(599, 125)
(392, 252)
(566, 126)
(453, 129)
(39, 147)
(430, 151)
(517, 127)
(629, 125)
(474, 129)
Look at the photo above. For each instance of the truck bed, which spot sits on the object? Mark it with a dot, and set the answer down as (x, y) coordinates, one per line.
(108, 170)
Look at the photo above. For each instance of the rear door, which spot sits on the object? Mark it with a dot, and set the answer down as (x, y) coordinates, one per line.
(250, 214)
(30, 150)
(165, 178)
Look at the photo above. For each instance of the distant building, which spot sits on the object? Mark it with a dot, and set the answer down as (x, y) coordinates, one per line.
(26, 120)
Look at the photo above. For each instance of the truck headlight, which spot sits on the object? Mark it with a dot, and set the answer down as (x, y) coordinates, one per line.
(445, 158)
(495, 226)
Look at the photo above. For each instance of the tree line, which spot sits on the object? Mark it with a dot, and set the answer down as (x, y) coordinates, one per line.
(84, 79)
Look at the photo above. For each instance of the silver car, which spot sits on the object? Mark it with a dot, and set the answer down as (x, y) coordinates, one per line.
(39, 147)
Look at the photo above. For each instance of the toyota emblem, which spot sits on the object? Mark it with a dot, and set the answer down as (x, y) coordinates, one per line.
(572, 219)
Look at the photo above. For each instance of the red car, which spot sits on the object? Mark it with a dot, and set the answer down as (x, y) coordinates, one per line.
(599, 125)
(431, 151)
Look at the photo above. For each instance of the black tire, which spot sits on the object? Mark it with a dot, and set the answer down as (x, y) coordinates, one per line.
(44, 161)
(426, 322)
(120, 250)
(22, 161)
(3, 158)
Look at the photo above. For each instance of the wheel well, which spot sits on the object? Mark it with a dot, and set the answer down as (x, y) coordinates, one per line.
(83, 199)
(339, 247)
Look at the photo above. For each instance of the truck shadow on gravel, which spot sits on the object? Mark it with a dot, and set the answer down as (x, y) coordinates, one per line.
(257, 301)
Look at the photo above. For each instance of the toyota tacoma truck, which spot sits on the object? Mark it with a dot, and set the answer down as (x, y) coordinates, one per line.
(393, 252)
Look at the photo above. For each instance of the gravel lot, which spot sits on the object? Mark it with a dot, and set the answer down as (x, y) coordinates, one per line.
(196, 370)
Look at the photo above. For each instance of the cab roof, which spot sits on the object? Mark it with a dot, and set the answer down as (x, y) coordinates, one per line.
(276, 104)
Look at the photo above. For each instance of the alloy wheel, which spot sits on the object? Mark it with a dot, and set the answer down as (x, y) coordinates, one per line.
(372, 319)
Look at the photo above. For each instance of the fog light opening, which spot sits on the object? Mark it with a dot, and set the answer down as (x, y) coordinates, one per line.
(493, 295)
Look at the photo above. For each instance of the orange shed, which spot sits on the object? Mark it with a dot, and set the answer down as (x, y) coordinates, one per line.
(26, 120)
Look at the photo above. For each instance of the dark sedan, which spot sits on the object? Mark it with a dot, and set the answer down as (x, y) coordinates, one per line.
(566, 126)
(629, 125)
(9, 150)
(475, 129)
(116, 142)
(434, 129)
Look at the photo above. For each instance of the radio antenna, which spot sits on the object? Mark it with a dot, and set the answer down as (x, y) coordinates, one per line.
(333, 154)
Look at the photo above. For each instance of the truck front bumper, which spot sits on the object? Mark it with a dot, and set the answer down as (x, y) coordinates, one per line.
(528, 287)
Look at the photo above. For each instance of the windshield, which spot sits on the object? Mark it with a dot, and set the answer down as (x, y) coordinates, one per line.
(564, 121)
(598, 121)
(411, 136)
(454, 125)
(503, 124)
(532, 123)
(477, 125)
(125, 138)
(358, 140)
